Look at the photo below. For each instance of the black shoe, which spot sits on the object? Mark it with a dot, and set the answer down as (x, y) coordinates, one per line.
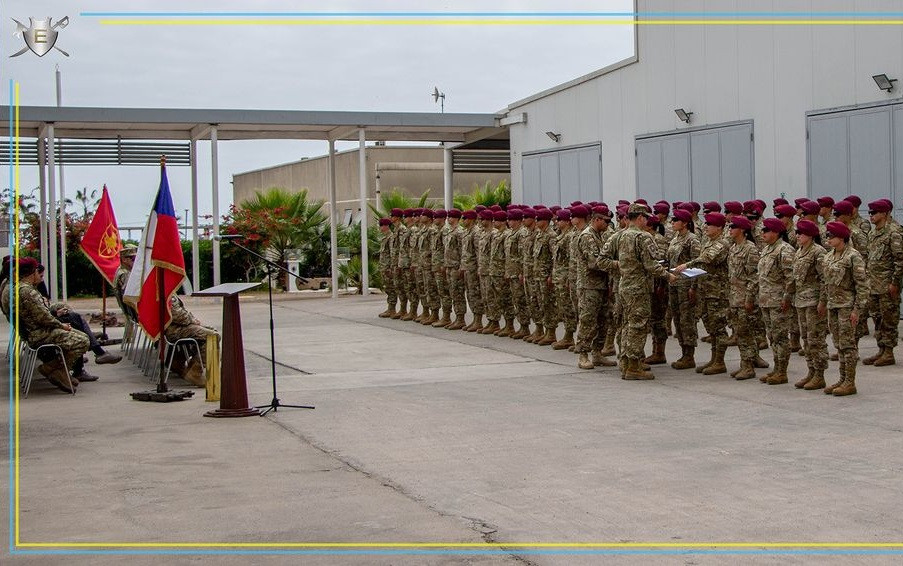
(85, 376)
(107, 358)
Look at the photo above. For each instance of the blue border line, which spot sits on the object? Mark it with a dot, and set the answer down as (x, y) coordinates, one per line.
(12, 381)
(645, 15)
(482, 552)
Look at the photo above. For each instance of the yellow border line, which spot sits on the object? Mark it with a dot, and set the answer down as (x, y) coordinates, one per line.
(13, 268)
(481, 22)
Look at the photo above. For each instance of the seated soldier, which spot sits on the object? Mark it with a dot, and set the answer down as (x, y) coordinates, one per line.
(38, 326)
(185, 325)
(126, 261)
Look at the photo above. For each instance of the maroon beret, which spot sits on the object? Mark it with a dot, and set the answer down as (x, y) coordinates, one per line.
(741, 222)
(454, 213)
(641, 201)
(605, 212)
(396, 212)
(696, 206)
(881, 205)
(469, 214)
(774, 224)
(622, 210)
(838, 229)
(479, 208)
(528, 212)
(579, 211)
(661, 208)
(409, 212)
(495, 208)
(800, 201)
(733, 207)
(682, 215)
(564, 215)
(385, 222)
(555, 208)
(428, 212)
(825, 202)
(715, 219)
(440, 213)
(623, 202)
(688, 206)
(27, 266)
(544, 214)
(779, 201)
(500, 216)
(785, 210)
(576, 203)
(762, 204)
(752, 207)
(539, 206)
(515, 214)
(711, 206)
(809, 207)
(807, 227)
(653, 220)
(486, 214)
(857, 202)
(593, 203)
(843, 207)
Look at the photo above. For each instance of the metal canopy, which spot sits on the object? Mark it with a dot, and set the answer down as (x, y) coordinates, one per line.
(102, 152)
(187, 124)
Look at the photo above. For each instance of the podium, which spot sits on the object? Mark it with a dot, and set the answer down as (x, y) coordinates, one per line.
(234, 386)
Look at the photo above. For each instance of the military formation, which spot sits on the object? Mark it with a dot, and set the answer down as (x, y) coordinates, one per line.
(612, 278)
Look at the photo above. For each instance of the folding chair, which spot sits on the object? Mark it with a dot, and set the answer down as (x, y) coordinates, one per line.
(28, 358)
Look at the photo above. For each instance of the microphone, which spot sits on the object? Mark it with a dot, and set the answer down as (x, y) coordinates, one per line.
(227, 237)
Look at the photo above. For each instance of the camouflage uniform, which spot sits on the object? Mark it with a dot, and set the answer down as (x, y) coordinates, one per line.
(415, 290)
(470, 238)
(119, 283)
(610, 252)
(846, 289)
(592, 283)
(561, 246)
(386, 270)
(542, 272)
(431, 290)
(776, 292)
(501, 289)
(808, 277)
(742, 263)
(682, 249)
(659, 295)
(526, 247)
(437, 250)
(453, 252)
(884, 268)
(712, 288)
(38, 326)
(183, 325)
(405, 252)
(514, 269)
(862, 224)
(488, 293)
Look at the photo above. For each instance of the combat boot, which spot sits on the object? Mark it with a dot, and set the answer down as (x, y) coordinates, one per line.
(795, 345)
(194, 374)
(706, 338)
(401, 313)
(717, 366)
(387, 313)
(609, 348)
(490, 328)
(622, 365)
(871, 359)
(432, 319)
(848, 387)
(548, 339)
(834, 357)
(760, 363)
(731, 340)
(658, 354)
(423, 315)
(583, 362)
(522, 332)
(763, 343)
(780, 374)
(508, 330)
(687, 360)
(817, 381)
(477, 323)
(802, 383)
(536, 336)
(636, 372)
(843, 377)
(746, 371)
(600, 360)
(885, 359)
(458, 324)
(566, 342)
(446, 320)
(572, 349)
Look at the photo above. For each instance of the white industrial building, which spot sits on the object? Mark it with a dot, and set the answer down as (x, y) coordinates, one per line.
(773, 110)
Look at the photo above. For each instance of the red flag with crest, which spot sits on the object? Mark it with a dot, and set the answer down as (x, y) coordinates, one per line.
(101, 241)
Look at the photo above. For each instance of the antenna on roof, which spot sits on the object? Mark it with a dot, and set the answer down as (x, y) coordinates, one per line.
(437, 96)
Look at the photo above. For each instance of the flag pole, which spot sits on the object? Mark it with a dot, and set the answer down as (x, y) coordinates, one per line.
(103, 308)
(161, 301)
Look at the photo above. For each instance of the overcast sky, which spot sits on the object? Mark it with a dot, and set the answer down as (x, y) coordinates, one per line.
(375, 68)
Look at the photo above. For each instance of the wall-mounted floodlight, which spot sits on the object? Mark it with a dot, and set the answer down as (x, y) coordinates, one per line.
(883, 82)
(683, 115)
(553, 136)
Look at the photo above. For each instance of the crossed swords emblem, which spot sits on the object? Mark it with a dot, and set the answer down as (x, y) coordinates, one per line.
(41, 36)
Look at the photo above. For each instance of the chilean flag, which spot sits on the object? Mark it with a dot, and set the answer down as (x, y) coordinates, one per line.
(160, 250)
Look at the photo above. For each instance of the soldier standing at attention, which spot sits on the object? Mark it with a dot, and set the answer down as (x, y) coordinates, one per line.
(742, 263)
(484, 260)
(469, 250)
(526, 248)
(514, 268)
(659, 297)
(430, 296)
(126, 261)
(858, 221)
(786, 214)
(409, 262)
(561, 260)
(504, 308)
(776, 295)
(713, 289)
(846, 291)
(579, 224)
(885, 273)
(438, 250)
(808, 278)
(385, 270)
(454, 273)
(593, 306)
(401, 284)
(542, 278)
(684, 247)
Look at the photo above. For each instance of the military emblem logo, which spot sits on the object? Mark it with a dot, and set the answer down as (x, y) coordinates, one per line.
(40, 37)
(109, 243)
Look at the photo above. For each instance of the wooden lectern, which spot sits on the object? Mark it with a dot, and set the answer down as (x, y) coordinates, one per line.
(234, 389)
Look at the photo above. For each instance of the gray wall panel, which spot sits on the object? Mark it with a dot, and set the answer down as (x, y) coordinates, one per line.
(649, 169)
(705, 163)
(590, 175)
(549, 185)
(530, 164)
(675, 168)
(829, 162)
(870, 154)
(569, 176)
(736, 163)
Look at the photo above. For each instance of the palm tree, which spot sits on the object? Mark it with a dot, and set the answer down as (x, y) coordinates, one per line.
(487, 195)
(84, 197)
(397, 199)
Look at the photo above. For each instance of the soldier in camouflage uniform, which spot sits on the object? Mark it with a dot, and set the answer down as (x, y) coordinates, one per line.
(470, 240)
(514, 272)
(859, 222)
(502, 290)
(454, 274)
(786, 214)
(543, 289)
(609, 248)
(682, 248)
(847, 290)
(579, 224)
(484, 260)
(743, 263)
(561, 259)
(126, 261)
(808, 279)
(396, 225)
(753, 211)
(594, 306)
(438, 250)
(843, 212)
(635, 260)
(185, 325)
(407, 237)
(712, 289)
(659, 297)
(526, 248)
(885, 274)
(430, 294)
(776, 295)
(386, 272)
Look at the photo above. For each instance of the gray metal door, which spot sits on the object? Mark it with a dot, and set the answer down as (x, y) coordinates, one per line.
(563, 176)
(549, 182)
(530, 178)
(675, 168)
(705, 163)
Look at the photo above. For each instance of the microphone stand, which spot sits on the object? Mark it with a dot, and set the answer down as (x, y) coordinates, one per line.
(272, 268)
